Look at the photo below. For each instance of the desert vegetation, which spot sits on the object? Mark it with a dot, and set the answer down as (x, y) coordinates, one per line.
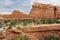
(21, 23)
(51, 37)
(25, 37)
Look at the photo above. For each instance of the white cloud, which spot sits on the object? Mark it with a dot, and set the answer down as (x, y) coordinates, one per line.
(7, 2)
(5, 11)
(54, 2)
(7, 6)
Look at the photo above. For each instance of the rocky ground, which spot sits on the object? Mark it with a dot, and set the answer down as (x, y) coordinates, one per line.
(31, 33)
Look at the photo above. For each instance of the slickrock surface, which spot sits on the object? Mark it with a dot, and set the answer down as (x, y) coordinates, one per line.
(34, 33)
(44, 28)
(43, 31)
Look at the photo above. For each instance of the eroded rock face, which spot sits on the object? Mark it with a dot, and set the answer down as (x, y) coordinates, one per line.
(11, 34)
(57, 12)
(34, 33)
(39, 10)
(42, 10)
(43, 32)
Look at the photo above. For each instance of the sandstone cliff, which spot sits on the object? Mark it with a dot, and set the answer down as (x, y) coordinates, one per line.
(21, 15)
(39, 10)
(34, 33)
(42, 10)
(17, 15)
(57, 12)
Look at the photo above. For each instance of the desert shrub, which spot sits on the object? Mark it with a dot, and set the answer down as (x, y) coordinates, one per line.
(25, 37)
(41, 38)
(19, 28)
(11, 24)
(48, 21)
(21, 37)
(57, 20)
(53, 37)
(6, 21)
(44, 21)
(25, 22)
(10, 27)
(37, 21)
(17, 37)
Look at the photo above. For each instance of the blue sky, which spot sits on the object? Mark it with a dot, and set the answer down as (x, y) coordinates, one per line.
(7, 6)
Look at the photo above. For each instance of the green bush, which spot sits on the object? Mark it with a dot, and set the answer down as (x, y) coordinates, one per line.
(41, 38)
(25, 37)
(25, 22)
(21, 37)
(19, 28)
(51, 37)
(17, 37)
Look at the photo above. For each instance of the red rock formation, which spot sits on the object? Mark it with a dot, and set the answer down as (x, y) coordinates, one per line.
(42, 10)
(35, 32)
(1, 16)
(57, 12)
(44, 28)
(10, 34)
(5, 16)
(17, 15)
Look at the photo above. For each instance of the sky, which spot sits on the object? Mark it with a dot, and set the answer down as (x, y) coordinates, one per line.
(7, 6)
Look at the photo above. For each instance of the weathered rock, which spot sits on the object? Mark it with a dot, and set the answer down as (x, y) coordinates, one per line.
(44, 28)
(57, 12)
(2, 36)
(43, 31)
(42, 10)
(10, 34)
(34, 33)
(39, 10)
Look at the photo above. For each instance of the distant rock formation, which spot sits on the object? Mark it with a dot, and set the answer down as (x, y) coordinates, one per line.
(42, 10)
(57, 12)
(17, 14)
(38, 11)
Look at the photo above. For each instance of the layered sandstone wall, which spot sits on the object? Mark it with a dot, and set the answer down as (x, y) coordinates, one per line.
(34, 33)
(42, 10)
(39, 10)
(57, 12)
